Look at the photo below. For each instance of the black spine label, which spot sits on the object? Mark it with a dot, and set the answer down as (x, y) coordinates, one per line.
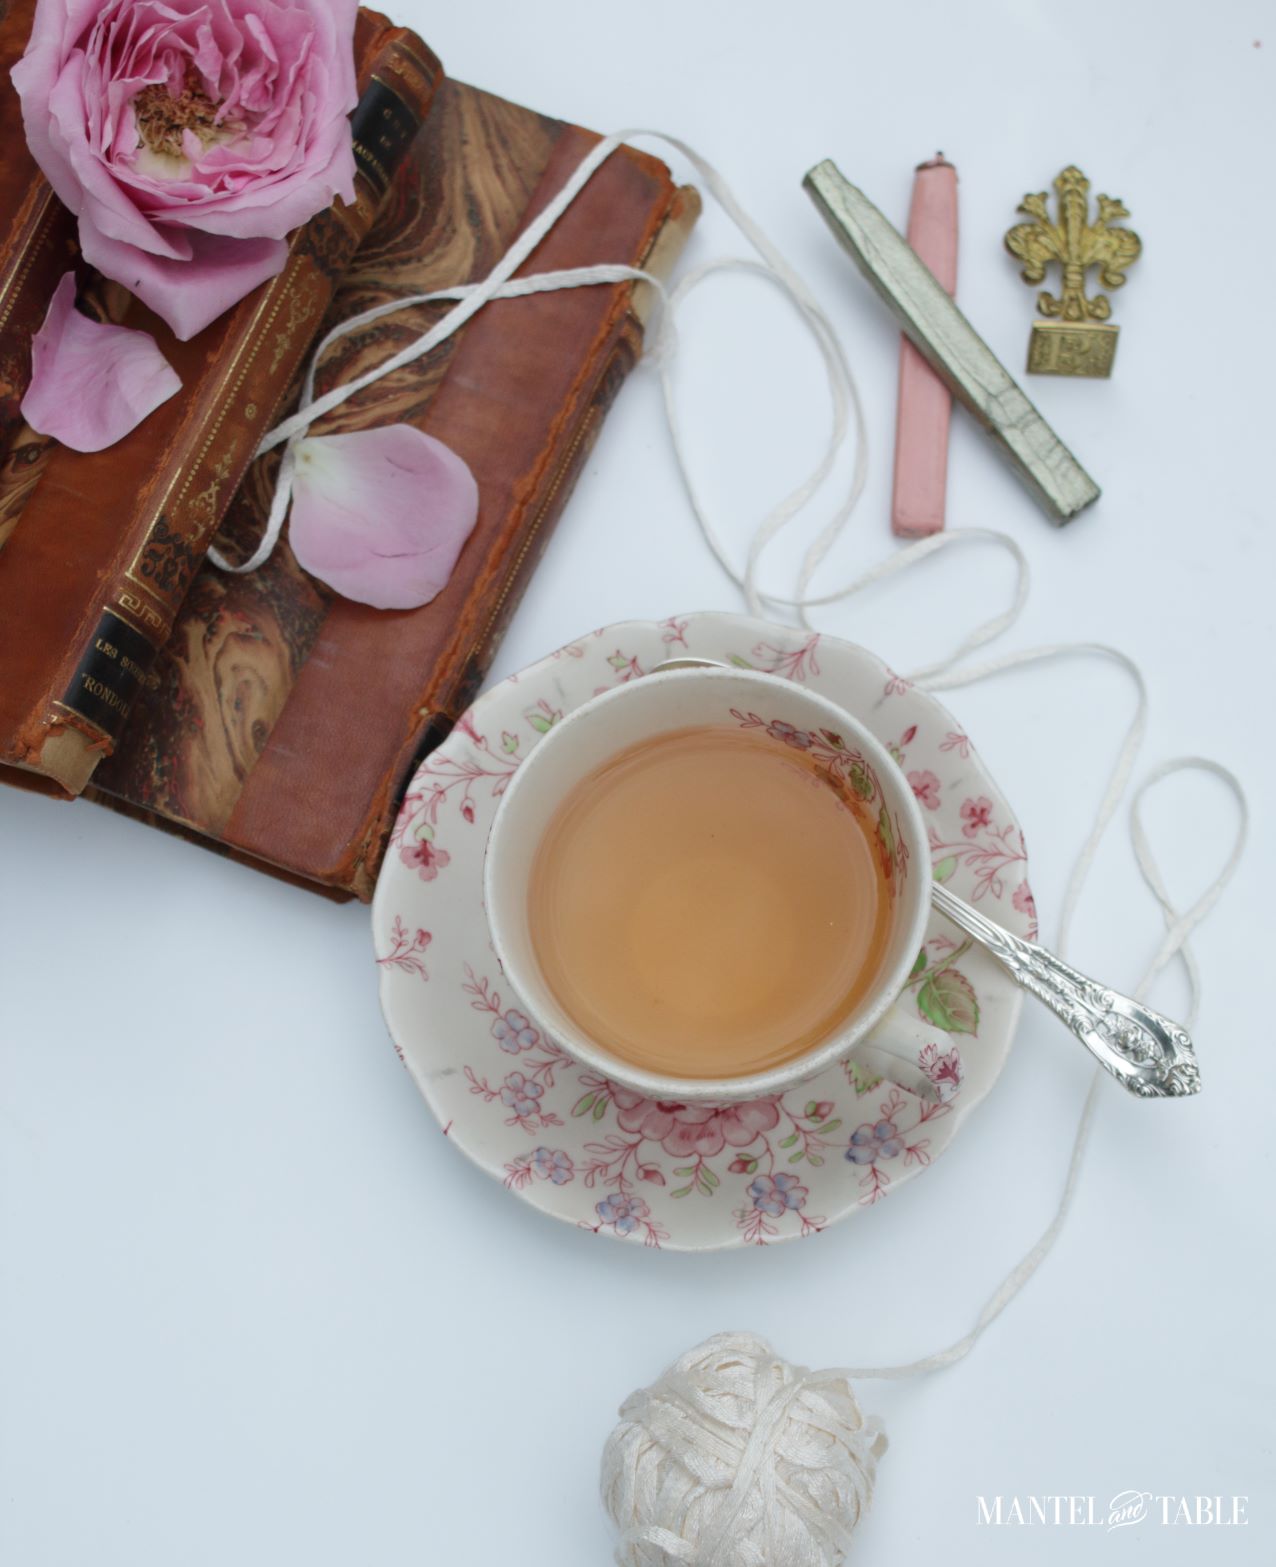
(383, 127)
(110, 674)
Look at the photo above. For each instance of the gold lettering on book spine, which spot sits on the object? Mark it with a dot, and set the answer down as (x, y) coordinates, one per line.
(411, 71)
(302, 304)
(144, 613)
(366, 154)
(204, 505)
(190, 519)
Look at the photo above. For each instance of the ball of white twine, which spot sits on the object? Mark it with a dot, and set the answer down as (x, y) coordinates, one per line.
(735, 1458)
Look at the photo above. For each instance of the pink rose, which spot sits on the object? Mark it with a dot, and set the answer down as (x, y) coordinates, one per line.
(190, 136)
(694, 1129)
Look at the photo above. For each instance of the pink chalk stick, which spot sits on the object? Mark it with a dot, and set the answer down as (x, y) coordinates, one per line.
(925, 403)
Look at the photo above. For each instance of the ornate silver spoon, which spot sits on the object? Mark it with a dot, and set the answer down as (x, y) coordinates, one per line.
(1145, 1052)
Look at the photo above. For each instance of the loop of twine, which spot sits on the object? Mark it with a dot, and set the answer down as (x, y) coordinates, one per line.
(847, 420)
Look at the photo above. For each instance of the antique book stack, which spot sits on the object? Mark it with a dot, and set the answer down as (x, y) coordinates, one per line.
(261, 713)
(109, 541)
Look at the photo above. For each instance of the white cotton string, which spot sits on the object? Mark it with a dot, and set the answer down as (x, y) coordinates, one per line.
(473, 299)
(1179, 927)
(910, 555)
(847, 416)
(736, 1458)
(941, 675)
(844, 396)
(1018, 1276)
(500, 284)
(516, 288)
(943, 679)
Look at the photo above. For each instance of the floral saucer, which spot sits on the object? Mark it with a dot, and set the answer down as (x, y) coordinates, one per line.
(579, 1147)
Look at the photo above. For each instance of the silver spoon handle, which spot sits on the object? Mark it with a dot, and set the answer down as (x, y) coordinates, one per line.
(1144, 1051)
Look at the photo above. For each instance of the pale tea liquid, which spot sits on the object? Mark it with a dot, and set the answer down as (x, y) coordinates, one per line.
(706, 905)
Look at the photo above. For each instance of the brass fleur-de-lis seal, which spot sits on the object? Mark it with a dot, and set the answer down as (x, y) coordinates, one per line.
(1078, 338)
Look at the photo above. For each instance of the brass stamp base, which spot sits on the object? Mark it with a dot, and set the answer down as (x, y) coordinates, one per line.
(1072, 348)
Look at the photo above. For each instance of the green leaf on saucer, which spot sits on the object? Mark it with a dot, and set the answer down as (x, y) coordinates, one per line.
(919, 965)
(861, 1081)
(947, 998)
(945, 868)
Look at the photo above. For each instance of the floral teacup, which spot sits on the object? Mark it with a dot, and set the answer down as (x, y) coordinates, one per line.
(876, 1034)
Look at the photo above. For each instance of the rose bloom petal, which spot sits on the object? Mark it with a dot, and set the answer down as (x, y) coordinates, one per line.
(381, 515)
(92, 382)
(186, 294)
(166, 125)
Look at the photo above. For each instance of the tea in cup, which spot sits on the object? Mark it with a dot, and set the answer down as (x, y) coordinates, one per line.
(708, 884)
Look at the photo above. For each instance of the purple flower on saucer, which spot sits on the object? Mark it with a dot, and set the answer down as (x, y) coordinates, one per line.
(553, 1164)
(521, 1094)
(874, 1141)
(623, 1213)
(777, 1194)
(514, 1032)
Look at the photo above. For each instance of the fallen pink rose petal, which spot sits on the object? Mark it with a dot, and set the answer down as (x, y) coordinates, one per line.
(91, 382)
(381, 515)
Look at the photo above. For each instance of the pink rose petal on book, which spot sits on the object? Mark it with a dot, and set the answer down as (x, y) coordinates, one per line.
(92, 382)
(381, 515)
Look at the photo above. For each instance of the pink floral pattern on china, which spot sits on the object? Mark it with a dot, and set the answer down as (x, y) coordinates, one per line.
(856, 781)
(599, 1155)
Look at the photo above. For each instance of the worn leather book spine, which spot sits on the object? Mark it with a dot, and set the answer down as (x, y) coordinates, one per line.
(108, 544)
(460, 675)
(37, 233)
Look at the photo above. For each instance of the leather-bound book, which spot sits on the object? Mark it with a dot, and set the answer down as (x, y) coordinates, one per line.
(286, 720)
(37, 233)
(106, 547)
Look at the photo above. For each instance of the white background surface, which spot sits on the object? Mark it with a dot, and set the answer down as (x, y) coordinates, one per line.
(254, 1309)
